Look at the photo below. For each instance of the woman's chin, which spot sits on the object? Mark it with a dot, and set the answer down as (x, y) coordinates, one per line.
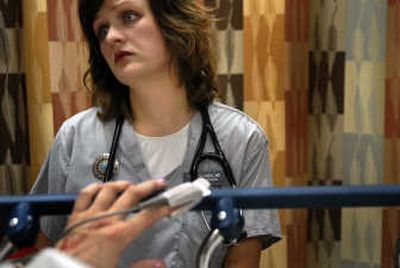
(127, 77)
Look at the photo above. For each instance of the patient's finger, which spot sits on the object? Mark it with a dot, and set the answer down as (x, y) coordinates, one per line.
(137, 192)
(86, 197)
(108, 194)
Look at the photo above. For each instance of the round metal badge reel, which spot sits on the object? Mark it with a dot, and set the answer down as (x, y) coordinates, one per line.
(99, 167)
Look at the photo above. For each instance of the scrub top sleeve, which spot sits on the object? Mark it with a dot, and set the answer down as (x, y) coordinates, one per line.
(54, 171)
(256, 172)
(51, 179)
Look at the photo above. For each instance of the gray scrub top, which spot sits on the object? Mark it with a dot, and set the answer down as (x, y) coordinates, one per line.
(83, 138)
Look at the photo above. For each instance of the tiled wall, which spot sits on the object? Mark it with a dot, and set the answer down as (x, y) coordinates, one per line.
(325, 121)
(264, 100)
(229, 27)
(391, 166)
(363, 126)
(38, 82)
(14, 144)
(67, 60)
(55, 64)
(326, 90)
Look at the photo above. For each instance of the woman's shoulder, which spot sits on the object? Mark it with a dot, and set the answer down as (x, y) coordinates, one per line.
(227, 115)
(219, 109)
(82, 116)
(81, 121)
(234, 122)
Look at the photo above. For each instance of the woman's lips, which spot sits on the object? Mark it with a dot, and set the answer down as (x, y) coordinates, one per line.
(120, 55)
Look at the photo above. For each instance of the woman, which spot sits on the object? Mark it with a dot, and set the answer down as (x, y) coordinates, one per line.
(152, 68)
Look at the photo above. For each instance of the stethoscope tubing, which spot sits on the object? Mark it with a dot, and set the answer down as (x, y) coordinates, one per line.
(218, 155)
(113, 150)
(200, 156)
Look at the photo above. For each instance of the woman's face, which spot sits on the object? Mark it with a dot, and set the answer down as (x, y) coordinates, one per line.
(130, 40)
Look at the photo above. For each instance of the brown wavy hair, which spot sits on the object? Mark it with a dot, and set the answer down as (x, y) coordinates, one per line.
(186, 27)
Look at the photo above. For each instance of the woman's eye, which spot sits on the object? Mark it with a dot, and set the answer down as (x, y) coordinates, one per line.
(129, 16)
(102, 32)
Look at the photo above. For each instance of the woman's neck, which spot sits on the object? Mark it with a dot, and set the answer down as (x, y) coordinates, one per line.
(159, 107)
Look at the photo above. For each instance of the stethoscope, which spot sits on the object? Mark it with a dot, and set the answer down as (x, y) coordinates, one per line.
(200, 156)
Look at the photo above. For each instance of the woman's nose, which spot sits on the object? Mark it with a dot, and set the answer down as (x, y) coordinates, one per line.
(114, 35)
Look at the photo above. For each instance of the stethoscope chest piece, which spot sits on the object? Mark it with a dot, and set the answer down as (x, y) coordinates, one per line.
(99, 167)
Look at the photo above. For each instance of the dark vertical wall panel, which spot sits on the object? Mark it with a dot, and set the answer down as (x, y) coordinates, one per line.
(14, 144)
